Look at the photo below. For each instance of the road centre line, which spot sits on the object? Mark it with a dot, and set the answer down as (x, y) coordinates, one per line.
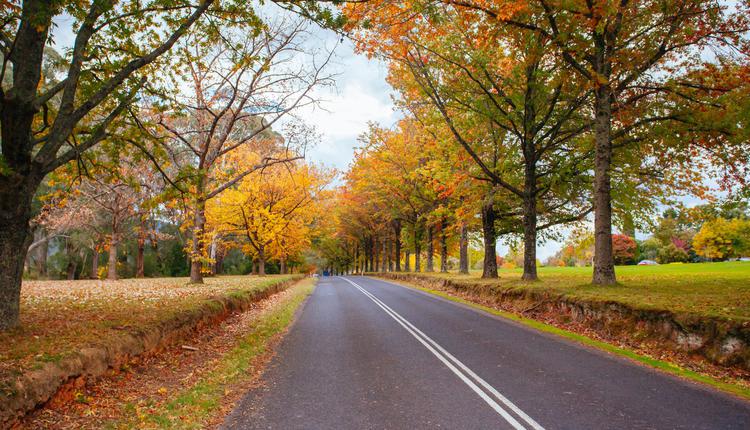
(452, 363)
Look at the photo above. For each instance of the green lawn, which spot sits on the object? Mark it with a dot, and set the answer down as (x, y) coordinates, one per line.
(711, 289)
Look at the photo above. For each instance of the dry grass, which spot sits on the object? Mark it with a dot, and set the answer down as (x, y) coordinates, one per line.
(60, 317)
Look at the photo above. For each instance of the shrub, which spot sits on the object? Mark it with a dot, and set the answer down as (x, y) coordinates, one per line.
(623, 249)
(672, 254)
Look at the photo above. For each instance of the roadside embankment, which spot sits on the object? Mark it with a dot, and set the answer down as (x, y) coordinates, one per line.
(74, 330)
(693, 340)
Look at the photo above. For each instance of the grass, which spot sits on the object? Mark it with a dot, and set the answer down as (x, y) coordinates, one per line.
(735, 389)
(707, 289)
(60, 317)
(195, 406)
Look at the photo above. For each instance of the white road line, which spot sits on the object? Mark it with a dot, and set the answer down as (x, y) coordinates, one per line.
(478, 379)
(449, 360)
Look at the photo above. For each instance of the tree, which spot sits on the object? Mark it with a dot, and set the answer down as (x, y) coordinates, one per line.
(721, 239)
(270, 212)
(514, 111)
(240, 88)
(624, 248)
(654, 67)
(48, 121)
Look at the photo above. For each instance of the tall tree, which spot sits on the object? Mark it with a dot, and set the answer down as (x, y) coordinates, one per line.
(240, 88)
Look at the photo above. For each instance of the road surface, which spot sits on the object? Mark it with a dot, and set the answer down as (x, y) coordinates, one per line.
(369, 354)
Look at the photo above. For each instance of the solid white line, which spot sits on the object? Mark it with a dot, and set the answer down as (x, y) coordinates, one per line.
(477, 378)
(445, 357)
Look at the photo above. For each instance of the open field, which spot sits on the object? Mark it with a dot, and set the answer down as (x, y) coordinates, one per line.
(60, 317)
(709, 289)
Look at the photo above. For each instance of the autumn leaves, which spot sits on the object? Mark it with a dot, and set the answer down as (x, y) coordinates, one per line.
(546, 113)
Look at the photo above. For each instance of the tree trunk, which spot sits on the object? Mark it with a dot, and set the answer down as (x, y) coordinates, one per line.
(417, 252)
(386, 256)
(94, 263)
(262, 261)
(390, 255)
(463, 250)
(41, 252)
(71, 267)
(371, 264)
(376, 251)
(139, 269)
(356, 258)
(112, 265)
(20, 180)
(15, 237)
(430, 250)
(407, 261)
(196, 254)
(282, 266)
(604, 264)
(443, 250)
(490, 240)
(529, 225)
(397, 233)
(219, 261)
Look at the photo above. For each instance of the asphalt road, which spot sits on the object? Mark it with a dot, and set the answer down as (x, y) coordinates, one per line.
(368, 354)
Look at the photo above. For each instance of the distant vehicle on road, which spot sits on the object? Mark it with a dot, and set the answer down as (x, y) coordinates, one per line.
(648, 263)
(744, 259)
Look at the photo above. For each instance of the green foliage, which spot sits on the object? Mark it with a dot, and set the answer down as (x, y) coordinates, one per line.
(672, 254)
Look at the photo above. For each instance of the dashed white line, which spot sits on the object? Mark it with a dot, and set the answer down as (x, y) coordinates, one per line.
(454, 364)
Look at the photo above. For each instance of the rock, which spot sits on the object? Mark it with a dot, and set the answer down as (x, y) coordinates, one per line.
(731, 345)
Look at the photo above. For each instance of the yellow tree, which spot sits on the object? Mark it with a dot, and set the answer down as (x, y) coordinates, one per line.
(270, 212)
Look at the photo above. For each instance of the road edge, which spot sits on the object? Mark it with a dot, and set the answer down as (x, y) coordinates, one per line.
(734, 390)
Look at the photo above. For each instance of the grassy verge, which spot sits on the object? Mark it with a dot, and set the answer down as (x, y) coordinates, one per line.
(719, 290)
(58, 318)
(735, 389)
(199, 404)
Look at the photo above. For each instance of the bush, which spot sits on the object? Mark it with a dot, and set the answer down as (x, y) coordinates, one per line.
(672, 254)
(623, 249)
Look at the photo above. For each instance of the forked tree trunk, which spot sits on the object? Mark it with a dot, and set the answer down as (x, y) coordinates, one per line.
(490, 240)
(604, 264)
(430, 250)
(463, 250)
(196, 253)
